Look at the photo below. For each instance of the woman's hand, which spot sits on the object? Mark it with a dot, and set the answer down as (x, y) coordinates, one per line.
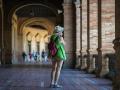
(62, 40)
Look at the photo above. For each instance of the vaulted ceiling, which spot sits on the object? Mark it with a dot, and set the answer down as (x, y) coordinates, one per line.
(33, 8)
(51, 3)
(37, 10)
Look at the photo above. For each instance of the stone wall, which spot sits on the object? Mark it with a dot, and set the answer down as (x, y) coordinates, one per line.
(102, 31)
(84, 26)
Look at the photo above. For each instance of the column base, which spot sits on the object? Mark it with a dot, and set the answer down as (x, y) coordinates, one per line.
(70, 62)
(83, 67)
(105, 67)
(92, 65)
(97, 72)
(77, 66)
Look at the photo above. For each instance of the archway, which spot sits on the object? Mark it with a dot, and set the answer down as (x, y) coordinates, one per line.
(30, 34)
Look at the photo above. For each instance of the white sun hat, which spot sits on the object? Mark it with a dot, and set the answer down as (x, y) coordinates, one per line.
(58, 29)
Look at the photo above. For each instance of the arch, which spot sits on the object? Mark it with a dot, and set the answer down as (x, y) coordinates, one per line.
(46, 23)
(41, 21)
(20, 6)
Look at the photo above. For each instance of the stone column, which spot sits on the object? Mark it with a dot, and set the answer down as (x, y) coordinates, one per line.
(14, 40)
(93, 35)
(108, 29)
(102, 68)
(116, 84)
(7, 52)
(77, 4)
(82, 63)
(99, 67)
(88, 35)
(84, 30)
(69, 33)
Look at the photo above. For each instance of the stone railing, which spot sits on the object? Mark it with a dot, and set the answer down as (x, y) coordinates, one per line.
(84, 62)
(92, 64)
(112, 60)
(108, 68)
(96, 63)
(105, 66)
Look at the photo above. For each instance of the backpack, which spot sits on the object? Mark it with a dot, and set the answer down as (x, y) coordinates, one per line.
(52, 47)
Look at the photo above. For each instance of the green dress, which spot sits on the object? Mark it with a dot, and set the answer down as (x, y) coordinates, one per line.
(60, 48)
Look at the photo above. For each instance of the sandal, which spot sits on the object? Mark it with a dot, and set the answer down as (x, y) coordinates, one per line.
(57, 86)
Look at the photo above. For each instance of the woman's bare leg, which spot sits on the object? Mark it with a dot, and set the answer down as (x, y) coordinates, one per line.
(58, 69)
(54, 65)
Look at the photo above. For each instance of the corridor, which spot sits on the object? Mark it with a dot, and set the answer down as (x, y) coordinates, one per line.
(92, 43)
(37, 78)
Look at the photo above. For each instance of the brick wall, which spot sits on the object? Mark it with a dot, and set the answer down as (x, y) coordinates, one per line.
(108, 24)
(93, 26)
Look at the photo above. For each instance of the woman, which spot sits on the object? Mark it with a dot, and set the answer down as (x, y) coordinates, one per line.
(57, 60)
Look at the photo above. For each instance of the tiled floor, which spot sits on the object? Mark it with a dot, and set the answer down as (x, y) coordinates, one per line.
(29, 78)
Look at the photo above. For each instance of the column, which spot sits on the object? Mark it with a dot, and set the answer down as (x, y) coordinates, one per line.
(108, 33)
(101, 69)
(69, 33)
(14, 40)
(77, 4)
(83, 33)
(88, 36)
(7, 40)
(116, 84)
(93, 35)
(82, 61)
(99, 64)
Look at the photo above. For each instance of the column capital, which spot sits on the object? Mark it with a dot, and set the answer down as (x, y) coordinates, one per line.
(99, 49)
(77, 3)
(67, 5)
(83, 50)
(92, 51)
(68, 1)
